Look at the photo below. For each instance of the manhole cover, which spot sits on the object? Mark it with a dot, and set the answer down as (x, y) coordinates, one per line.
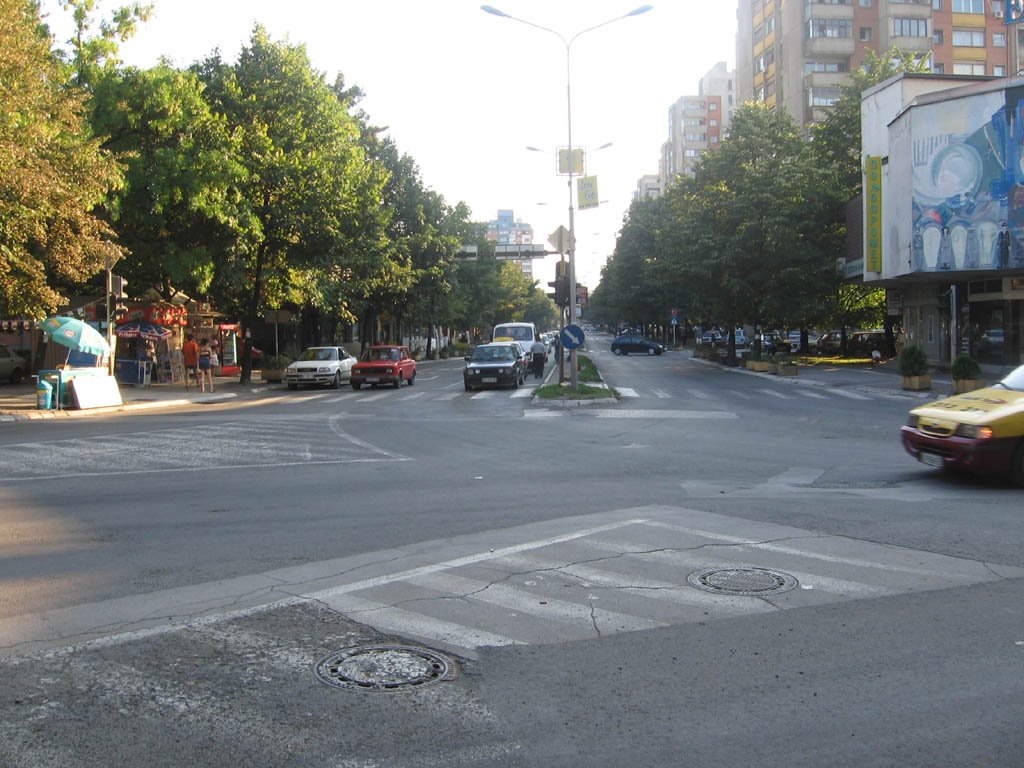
(384, 667)
(741, 581)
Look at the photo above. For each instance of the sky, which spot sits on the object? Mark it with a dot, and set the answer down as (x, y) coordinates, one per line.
(464, 92)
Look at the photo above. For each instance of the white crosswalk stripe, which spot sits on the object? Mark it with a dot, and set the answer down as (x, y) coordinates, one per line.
(775, 393)
(847, 394)
(810, 393)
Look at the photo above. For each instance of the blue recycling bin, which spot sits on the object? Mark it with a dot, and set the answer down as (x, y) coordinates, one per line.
(44, 395)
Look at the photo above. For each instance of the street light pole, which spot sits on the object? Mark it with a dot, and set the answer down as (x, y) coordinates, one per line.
(573, 359)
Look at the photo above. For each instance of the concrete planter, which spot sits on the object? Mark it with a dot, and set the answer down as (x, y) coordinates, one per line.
(761, 366)
(917, 383)
(967, 385)
(786, 369)
(272, 375)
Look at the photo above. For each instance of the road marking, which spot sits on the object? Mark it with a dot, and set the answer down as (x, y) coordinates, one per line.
(773, 393)
(808, 393)
(661, 394)
(741, 395)
(371, 398)
(526, 391)
(447, 396)
(654, 414)
(699, 394)
(844, 393)
(483, 394)
(627, 392)
(413, 395)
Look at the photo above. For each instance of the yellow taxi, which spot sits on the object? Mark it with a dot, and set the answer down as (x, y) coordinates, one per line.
(981, 431)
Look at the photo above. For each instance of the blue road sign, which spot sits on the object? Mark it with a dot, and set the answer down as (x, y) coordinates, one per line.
(572, 336)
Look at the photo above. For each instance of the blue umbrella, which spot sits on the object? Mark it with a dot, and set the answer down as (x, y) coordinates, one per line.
(76, 334)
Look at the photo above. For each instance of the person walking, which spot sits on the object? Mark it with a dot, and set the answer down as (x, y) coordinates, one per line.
(539, 352)
(205, 365)
(190, 357)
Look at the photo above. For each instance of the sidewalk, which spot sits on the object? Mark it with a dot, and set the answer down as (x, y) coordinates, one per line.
(18, 401)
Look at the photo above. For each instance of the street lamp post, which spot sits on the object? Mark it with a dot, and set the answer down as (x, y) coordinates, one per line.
(573, 364)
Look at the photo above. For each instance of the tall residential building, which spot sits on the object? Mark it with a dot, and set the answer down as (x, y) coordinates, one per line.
(513, 240)
(649, 186)
(697, 124)
(796, 53)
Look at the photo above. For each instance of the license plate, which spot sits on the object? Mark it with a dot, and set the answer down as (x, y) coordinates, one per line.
(489, 380)
(307, 376)
(372, 379)
(931, 459)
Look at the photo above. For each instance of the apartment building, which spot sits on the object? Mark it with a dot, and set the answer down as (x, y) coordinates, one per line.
(698, 123)
(796, 54)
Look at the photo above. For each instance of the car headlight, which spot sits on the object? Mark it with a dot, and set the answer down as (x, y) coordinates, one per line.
(974, 432)
(503, 371)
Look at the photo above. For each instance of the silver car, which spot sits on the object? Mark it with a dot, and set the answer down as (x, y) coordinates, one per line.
(12, 365)
(320, 366)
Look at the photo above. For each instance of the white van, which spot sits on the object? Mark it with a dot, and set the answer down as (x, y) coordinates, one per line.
(522, 333)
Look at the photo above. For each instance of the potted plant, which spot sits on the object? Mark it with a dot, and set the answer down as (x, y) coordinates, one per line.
(272, 367)
(966, 374)
(913, 365)
(784, 365)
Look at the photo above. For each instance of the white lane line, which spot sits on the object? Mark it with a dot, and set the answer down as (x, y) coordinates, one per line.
(661, 394)
(652, 414)
(740, 395)
(699, 394)
(371, 398)
(483, 394)
(524, 601)
(413, 396)
(523, 392)
(447, 396)
(627, 392)
(398, 621)
(773, 393)
(809, 393)
(850, 395)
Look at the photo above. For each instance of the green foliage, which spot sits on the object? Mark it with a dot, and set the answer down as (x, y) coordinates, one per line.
(913, 361)
(966, 367)
(276, 362)
(53, 174)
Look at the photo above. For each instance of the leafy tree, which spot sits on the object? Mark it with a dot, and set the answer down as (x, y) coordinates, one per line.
(311, 199)
(53, 173)
(179, 206)
(93, 54)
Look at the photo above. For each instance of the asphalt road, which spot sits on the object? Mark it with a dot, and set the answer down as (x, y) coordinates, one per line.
(170, 581)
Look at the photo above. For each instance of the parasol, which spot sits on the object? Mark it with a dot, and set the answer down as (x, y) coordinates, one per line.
(136, 329)
(76, 334)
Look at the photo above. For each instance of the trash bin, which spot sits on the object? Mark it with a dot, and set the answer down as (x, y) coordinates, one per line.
(44, 395)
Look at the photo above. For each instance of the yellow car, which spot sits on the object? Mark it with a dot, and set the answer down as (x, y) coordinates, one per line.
(982, 431)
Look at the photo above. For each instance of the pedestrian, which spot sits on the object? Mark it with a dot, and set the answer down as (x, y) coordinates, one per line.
(205, 365)
(190, 357)
(539, 352)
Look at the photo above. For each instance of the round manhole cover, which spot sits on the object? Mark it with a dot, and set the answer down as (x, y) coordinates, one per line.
(741, 581)
(384, 667)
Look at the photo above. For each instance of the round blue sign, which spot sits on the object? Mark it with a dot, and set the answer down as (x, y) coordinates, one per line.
(572, 336)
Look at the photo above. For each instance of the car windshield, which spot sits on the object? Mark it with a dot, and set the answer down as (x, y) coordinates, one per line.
(319, 353)
(380, 354)
(1014, 380)
(488, 354)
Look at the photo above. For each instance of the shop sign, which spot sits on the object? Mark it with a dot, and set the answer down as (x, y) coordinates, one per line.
(873, 213)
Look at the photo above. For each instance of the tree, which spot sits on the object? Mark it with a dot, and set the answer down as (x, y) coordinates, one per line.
(178, 208)
(53, 173)
(93, 54)
(310, 196)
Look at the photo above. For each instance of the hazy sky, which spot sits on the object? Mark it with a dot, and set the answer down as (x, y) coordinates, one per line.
(464, 92)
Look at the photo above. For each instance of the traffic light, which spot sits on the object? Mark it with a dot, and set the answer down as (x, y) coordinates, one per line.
(560, 284)
(119, 296)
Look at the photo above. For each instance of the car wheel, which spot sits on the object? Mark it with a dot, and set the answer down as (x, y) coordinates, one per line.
(412, 379)
(1017, 468)
(616, 350)
(468, 388)
(356, 385)
(651, 351)
(515, 382)
(16, 376)
(293, 386)
(336, 382)
(398, 381)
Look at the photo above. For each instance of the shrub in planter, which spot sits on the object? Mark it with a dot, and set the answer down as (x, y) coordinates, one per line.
(913, 367)
(966, 374)
(276, 362)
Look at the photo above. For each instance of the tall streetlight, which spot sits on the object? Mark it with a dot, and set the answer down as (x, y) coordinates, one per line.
(574, 373)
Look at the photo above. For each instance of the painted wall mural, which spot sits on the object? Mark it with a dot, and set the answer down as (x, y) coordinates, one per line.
(968, 184)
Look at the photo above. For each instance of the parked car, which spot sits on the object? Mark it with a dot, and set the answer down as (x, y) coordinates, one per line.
(863, 343)
(12, 365)
(770, 343)
(499, 364)
(320, 366)
(384, 364)
(981, 431)
(714, 338)
(829, 343)
(740, 337)
(633, 342)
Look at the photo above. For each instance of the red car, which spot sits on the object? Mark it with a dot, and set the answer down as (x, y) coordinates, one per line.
(384, 364)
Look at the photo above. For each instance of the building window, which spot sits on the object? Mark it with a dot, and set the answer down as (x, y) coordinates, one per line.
(712, 107)
(997, 8)
(939, 69)
(910, 27)
(939, 37)
(968, 6)
(967, 68)
(825, 66)
(936, 5)
(865, 3)
(829, 28)
(999, 70)
(823, 97)
(969, 38)
(865, 34)
(998, 39)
